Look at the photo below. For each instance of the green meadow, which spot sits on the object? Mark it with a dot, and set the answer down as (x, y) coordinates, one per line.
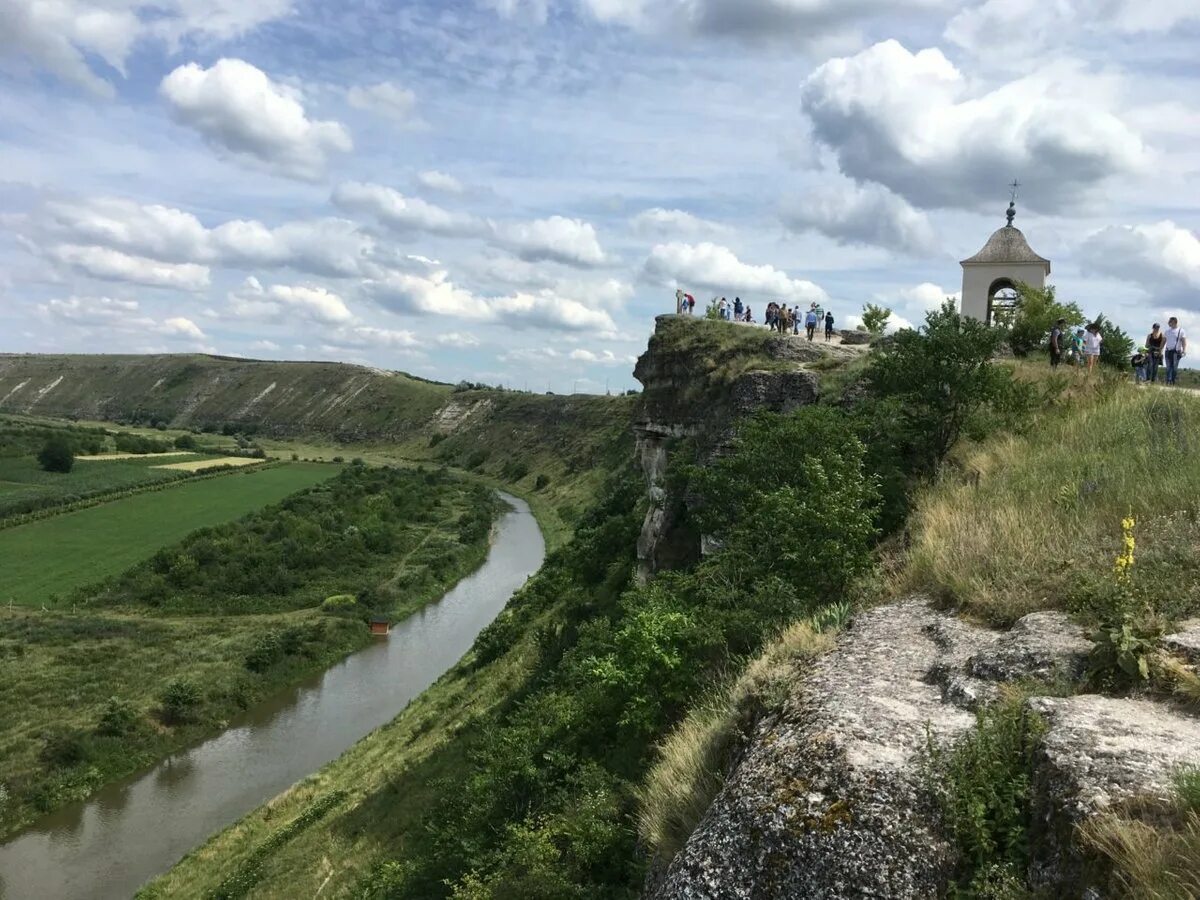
(49, 558)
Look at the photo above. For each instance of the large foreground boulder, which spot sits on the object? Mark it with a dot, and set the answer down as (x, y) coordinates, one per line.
(829, 799)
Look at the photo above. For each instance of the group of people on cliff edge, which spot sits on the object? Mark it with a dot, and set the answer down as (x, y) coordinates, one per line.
(778, 316)
(1162, 349)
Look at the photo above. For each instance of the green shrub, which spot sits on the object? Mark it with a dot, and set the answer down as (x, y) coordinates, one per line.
(56, 455)
(185, 442)
(264, 653)
(339, 603)
(982, 784)
(64, 747)
(180, 701)
(119, 717)
(542, 482)
(1034, 315)
(475, 459)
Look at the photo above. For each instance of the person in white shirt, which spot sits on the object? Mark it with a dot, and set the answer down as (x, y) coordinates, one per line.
(1175, 348)
(1091, 346)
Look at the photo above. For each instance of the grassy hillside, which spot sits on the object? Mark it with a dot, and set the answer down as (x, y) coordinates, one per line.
(283, 398)
(552, 450)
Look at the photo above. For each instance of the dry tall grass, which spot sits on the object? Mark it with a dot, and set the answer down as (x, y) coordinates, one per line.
(1150, 862)
(1026, 516)
(693, 759)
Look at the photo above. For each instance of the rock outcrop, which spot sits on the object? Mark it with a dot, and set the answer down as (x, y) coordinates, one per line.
(699, 378)
(1097, 753)
(828, 800)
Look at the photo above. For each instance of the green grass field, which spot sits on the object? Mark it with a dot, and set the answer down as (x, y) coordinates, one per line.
(23, 482)
(52, 557)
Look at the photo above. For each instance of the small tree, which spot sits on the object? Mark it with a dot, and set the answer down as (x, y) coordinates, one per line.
(1035, 314)
(180, 700)
(1116, 346)
(185, 442)
(875, 318)
(938, 377)
(56, 455)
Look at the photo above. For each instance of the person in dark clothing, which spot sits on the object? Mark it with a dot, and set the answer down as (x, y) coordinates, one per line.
(1155, 343)
(828, 326)
(1056, 343)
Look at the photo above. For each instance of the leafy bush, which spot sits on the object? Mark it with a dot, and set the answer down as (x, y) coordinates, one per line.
(1116, 347)
(542, 482)
(139, 444)
(1034, 316)
(185, 442)
(64, 747)
(983, 787)
(180, 701)
(264, 653)
(119, 717)
(56, 455)
(938, 378)
(475, 459)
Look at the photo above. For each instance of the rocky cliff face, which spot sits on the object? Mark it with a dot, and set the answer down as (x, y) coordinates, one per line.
(699, 378)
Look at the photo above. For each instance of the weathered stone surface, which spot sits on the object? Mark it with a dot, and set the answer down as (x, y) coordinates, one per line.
(1185, 641)
(1099, 751)
(827, 801)
(774, 391)
(1042, 645)
(854, 338)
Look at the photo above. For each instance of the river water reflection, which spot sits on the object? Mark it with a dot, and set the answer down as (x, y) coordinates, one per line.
(136, 829)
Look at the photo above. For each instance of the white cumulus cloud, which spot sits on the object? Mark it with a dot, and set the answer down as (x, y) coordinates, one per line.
(403, 213)
(241, 111)
(711, 267)
(434, 180)
(572, 242)
(866, 214)
(1162, 257)
(281, 301)
(112, 265)
(434, 294)
(914, 123)
(673, 224)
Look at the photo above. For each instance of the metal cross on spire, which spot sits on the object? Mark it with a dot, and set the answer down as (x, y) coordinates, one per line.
(1012, 204)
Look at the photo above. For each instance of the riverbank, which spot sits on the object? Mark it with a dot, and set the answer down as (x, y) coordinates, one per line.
(86, 691)
(137, 829)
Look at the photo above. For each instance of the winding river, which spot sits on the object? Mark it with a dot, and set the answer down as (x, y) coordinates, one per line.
(136, 829)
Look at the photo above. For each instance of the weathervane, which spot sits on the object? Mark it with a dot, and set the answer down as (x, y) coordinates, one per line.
(1012, 203)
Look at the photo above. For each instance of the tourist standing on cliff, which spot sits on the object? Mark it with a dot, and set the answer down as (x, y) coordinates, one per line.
(1056, 339)
(1176, 348)
(1091, 346)
(1155, 341)
(810, 323)
(796, 319)
(691, 304)
(829, 326)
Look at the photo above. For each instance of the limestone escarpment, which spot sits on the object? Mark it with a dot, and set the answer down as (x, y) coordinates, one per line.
(699, 378)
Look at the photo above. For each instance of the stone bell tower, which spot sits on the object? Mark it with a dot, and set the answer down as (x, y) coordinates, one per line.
(990, 277)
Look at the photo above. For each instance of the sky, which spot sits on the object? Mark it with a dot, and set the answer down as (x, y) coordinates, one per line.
(509, 191)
